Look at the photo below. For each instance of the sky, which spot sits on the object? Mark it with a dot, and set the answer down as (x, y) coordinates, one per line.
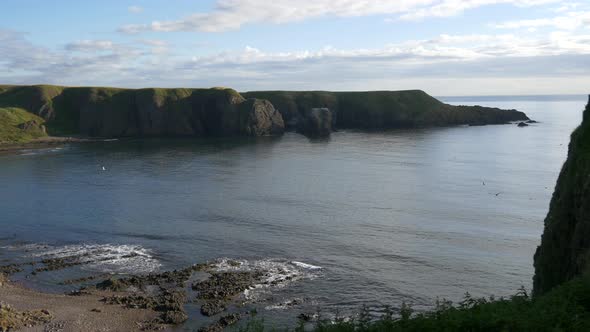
(444, 47)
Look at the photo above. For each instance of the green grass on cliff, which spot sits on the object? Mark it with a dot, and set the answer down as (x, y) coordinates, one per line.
(566, 308)
(382, 109)
(10, 118)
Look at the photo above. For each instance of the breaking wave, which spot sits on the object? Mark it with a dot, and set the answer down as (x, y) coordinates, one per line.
(276, 273)
(108, 258)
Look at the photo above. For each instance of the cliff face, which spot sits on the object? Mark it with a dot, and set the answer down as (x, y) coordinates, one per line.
(564, 252)
(111, 112)
(382, 109)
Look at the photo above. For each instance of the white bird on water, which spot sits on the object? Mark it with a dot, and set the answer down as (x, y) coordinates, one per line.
(103, 168)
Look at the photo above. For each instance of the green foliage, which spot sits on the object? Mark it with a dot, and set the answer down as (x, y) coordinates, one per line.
(566, 308)
(382, 109)
(10, 118)
(61, 107)
(564, 252)
(103, 111)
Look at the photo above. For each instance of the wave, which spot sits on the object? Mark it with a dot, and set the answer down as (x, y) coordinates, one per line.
(106, 258)
(306, 266)
(276, 273)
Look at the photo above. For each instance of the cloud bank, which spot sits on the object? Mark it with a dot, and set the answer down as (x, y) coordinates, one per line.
(233, 14)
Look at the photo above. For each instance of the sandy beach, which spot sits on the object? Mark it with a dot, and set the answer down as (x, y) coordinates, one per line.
(53, 312)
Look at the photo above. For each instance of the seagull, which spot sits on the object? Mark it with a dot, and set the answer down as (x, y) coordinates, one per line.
(103, 168)
(498, 194)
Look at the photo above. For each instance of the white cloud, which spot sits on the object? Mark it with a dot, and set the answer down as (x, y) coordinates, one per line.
(158, 46)
(233, 14)
(449, 8)
(568, 21)
(135, 9)
(444, 48)
(567, 6)
(469, 61)
(90, 46)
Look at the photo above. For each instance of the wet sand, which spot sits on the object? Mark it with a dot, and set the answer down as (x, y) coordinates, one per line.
(84, 312)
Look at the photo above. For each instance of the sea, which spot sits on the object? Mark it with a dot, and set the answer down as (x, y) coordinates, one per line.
(360, 219)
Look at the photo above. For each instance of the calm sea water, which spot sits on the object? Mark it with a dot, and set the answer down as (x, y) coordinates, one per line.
(362, 218)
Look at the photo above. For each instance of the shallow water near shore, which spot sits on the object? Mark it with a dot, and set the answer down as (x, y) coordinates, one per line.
(360, 218)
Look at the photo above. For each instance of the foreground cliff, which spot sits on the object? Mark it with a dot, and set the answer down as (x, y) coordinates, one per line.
(564, 252)
(28, 112)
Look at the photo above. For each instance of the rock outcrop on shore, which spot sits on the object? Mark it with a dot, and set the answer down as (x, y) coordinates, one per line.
(316, 123)
(112, 112)
(564, 252)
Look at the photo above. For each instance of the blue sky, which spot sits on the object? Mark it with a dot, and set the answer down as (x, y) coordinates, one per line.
(445, 47)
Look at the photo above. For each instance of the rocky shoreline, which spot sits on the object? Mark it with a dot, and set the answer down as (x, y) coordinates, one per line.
(224, 112)
(45, 143)
(147, 302)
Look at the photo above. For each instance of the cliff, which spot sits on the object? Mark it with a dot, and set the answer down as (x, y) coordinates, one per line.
(564, 252)
(382, 109)
(112, 112)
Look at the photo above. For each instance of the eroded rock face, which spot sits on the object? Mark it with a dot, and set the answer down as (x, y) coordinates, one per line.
(176, 112)
(316, 123)
(564, 252)
(32, 126)
(259, 118)
(376, 110)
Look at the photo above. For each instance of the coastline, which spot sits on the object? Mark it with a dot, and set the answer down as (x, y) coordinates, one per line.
(44, 142)
(24, 309)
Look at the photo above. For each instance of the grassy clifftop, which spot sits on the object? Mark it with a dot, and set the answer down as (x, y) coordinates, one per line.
(13, 127)
(564, 252)
(383, 109)
(114, 112)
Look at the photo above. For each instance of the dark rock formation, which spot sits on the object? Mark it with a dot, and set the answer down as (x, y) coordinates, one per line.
(32, 125)
(111, 112)
(212, 308)
(564, 252)
(178, 112)
(222, 323)
(316, 123)
(225, 285)
(522, 124)
(382, 109)
(259, 118)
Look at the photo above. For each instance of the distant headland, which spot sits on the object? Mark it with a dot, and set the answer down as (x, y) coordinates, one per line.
(30, 113)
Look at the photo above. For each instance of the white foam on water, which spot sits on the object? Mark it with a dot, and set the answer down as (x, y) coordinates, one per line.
(288, 304)
(25, 247)
(306, 266)
(277, 273)
(107, 258)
